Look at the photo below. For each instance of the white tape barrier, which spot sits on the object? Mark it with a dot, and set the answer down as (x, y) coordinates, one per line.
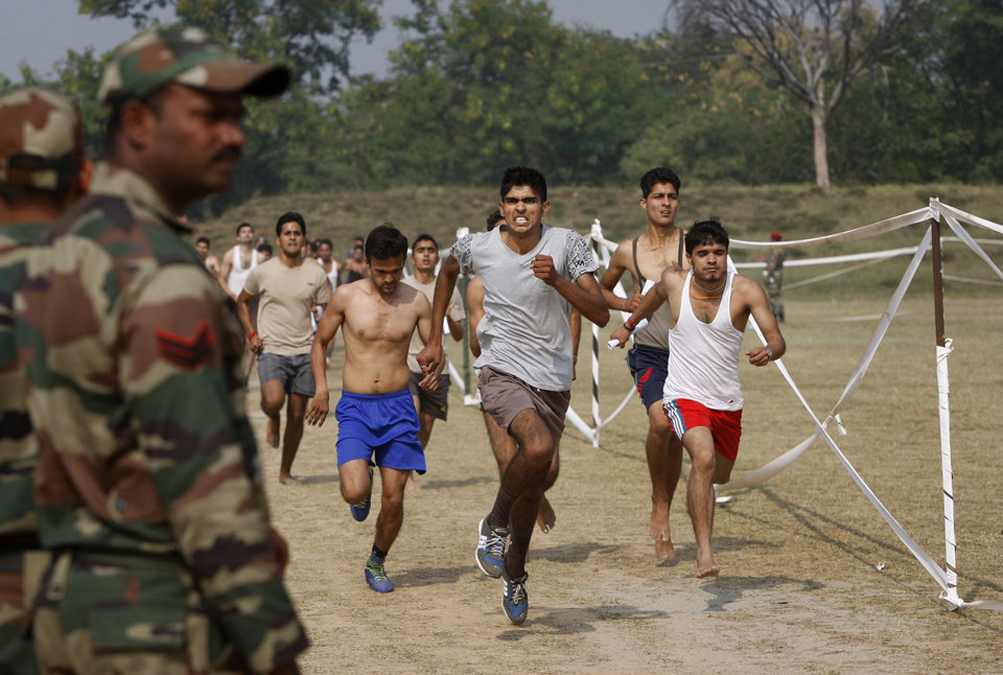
(958, 214)
(872, 230)
(834, 259)
(779, 464)
(772, 468)
(972, 244)
(947, 579)
(947, 471)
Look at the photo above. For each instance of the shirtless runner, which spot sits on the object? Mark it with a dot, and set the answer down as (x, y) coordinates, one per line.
(376, 414)
(710, 308)
(644, 257)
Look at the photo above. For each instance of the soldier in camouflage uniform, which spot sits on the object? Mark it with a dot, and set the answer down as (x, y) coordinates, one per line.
(42, 171)
(774, 274)
(147, 486)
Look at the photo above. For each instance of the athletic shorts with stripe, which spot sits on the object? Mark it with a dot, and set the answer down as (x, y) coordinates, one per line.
(725, 425)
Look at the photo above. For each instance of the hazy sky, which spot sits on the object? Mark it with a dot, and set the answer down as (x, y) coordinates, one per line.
(39, 32)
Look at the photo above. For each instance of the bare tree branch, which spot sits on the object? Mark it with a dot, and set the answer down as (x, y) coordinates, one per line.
(813, 48)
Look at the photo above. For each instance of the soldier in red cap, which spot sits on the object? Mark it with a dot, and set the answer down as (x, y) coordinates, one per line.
(774, 274)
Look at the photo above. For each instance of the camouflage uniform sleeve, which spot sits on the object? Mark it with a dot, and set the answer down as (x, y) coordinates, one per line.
(178, 354)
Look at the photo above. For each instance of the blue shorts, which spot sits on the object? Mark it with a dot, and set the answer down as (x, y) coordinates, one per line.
(650, 367)
(384, 424)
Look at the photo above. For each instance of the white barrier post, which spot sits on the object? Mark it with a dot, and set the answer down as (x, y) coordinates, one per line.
(596, 418)
(943, 349)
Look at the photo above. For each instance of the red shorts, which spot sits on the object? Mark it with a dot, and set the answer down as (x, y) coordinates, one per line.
(725, 425)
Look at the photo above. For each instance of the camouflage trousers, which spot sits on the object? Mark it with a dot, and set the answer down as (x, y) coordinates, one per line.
(19, 572)
(773, 290)
(103, 614)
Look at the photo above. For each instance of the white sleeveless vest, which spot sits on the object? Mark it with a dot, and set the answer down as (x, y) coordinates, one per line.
(703, 357)
(238, 276)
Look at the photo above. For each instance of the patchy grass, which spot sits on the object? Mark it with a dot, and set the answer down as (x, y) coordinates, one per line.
(749, 213)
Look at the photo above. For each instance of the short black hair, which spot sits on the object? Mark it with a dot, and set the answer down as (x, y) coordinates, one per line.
(424, 236)
(494, 218)
(659, 174)
(522, 175)
(265, 248)
(290, 217)
(205, 239)
(242, 226)
(706, 232)
(385, 242)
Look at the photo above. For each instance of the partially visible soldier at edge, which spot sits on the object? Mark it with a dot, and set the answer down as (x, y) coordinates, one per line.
(148, 486)
(42, 172)
(774, 277)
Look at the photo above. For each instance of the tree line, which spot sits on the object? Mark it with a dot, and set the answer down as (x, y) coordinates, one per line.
(732, 91)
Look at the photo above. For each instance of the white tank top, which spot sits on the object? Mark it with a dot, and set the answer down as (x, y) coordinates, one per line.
(703, 357)
(238, 276)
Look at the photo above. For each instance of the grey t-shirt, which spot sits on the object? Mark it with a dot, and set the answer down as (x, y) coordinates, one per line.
(525, 330)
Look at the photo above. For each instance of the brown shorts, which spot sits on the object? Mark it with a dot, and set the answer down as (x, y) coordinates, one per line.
(504, 396)
(434, 403)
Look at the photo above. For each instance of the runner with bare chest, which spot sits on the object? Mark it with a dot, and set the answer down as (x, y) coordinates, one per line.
(377, 421)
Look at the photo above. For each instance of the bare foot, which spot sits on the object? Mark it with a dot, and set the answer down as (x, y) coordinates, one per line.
(287, 479)
(545, 517)
(706, 567)
(272, 435)
(660, 532)
(411, 483)
(663, 548)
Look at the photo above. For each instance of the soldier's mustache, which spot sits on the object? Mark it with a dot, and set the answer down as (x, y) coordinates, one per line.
(227, 154)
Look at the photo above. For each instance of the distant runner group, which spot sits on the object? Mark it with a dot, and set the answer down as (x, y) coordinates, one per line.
(134, 532)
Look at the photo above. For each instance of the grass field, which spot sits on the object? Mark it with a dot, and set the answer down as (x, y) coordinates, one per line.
(800, 589)
(799, 211)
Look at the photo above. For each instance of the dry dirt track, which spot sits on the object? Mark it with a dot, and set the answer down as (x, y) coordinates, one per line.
(799, 591)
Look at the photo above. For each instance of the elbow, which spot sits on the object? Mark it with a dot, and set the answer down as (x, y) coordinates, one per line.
(601, 318)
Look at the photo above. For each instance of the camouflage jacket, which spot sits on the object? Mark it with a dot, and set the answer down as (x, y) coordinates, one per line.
(132, 356)
(17, 442)
(775, 262)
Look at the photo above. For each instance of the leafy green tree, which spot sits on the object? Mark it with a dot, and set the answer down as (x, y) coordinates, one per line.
(969, 80)
(718, 123)
(484, 84)
(313, 35)
(815, 49)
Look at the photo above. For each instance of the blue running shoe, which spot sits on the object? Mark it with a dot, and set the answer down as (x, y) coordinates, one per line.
(515, 598)
(360, 510)
(492, 542)
(377, 578)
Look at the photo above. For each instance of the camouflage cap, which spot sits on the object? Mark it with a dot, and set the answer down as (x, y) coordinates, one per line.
(186, 56)
(41, 138)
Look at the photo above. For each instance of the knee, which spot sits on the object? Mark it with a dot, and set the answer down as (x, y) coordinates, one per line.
(391, 503)
(271, 406)
(661, 429)
(354, 493)
(539, 451)
(703, 463)
(722, 474)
